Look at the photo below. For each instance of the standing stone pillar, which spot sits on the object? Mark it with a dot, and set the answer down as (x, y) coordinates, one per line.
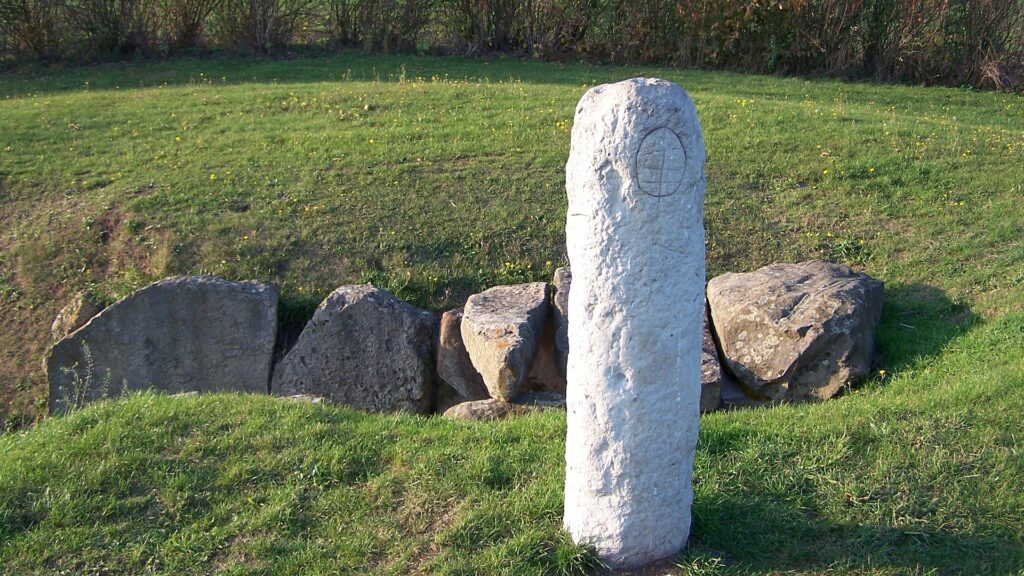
(635, 240)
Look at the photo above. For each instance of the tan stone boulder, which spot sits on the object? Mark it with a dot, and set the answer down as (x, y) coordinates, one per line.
(796, 332)
(501, 328)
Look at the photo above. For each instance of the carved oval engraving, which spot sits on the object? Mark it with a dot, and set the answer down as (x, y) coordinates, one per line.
(660, 163)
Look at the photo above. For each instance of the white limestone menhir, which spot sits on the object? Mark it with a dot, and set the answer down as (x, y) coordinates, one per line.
(635, 240)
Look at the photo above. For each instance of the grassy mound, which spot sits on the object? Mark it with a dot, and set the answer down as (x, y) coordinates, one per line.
(435, 178)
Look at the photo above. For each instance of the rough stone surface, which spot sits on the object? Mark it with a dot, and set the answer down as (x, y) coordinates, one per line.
(560, 312)
(711, 374)
(501, 328)
(78, 311)
(542, 400)
(308, 398)
(635, 239)
(447, 397)
(454, 366)
(735, 395)
(489, 409)
(493, 409)
(544, 375)
(796, 332)
(366, 349)
(180, 334)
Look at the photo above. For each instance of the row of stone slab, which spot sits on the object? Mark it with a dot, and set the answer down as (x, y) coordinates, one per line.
(788, 332)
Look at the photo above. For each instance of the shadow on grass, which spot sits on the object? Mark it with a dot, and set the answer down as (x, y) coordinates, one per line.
(918, 321)
(762, 536)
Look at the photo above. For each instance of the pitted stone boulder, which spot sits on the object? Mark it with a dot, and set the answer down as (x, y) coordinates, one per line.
(711, 374)
(484, 410)
(796, 332)
(180, 334)
(493, 409)
(502, 328)
(366, 349)
(560, 312)
(73, 316)
(454, 366)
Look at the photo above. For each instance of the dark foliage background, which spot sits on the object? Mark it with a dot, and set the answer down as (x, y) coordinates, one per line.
(976, 42)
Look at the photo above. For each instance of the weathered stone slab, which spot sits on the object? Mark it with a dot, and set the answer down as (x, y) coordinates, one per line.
(484, 410)
(493, 409)
(501, 328)
(73, 316)
(796, 332)
(308, 398)
(561, 284)
(735, 395)
(180, 334)
(635, 239)
(366, 349)
(711, 374)
(454, 366)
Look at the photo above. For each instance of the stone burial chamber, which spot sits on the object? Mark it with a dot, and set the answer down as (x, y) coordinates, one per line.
(204, 334)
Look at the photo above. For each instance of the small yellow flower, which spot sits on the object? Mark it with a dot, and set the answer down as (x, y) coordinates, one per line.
(213, 176)
(824, 172)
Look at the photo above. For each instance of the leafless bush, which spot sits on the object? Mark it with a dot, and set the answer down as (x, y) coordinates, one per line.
(183, 22)
(379, 25)
(113, 27)
(261, 25)
(479, 26)
(551, 28)
(33, 27)
(992, 50)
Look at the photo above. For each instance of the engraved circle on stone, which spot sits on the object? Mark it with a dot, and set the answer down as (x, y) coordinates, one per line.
(660, 163)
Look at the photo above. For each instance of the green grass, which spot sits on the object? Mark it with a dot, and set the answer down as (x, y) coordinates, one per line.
(919, 474)
(435, 178)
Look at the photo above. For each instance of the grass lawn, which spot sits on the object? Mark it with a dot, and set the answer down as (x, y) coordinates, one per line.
(435, 178)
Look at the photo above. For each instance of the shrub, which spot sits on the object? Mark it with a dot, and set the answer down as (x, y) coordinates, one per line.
(33, 27)
(182, 22)
(260, 25)
(378, 25)
(113, 27)
(980, 42)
